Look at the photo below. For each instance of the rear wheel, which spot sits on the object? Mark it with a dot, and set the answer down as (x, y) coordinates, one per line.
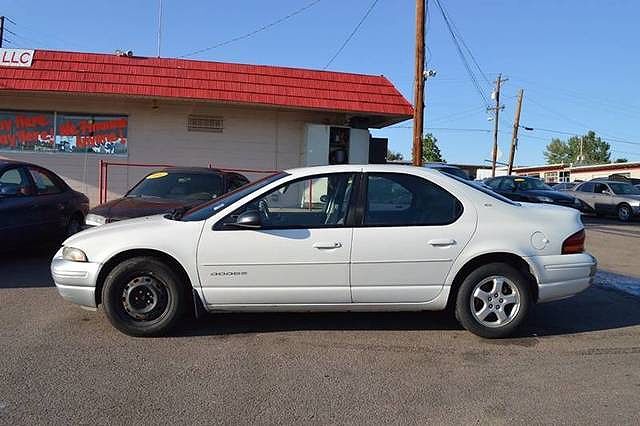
(143, 297)
(624, 212)
(493, 300)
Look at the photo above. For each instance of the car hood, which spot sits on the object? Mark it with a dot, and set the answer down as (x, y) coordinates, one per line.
(129, 207)
(550, 193)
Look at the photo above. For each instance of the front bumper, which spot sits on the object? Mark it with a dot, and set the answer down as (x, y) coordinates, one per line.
(562, 276)
(75, 281)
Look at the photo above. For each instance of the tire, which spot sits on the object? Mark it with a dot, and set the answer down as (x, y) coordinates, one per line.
(482, 282)
(143, 297)
(624, 212)
(75, 225)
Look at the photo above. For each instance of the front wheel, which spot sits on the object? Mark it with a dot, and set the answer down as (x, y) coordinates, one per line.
(493, 301)
(143, 297)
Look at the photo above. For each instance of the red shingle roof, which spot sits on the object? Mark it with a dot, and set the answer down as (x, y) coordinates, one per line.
(93, 73)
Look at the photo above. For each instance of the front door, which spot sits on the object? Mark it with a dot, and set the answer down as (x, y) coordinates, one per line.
(412, 231)
(299, 255)
(18, 210)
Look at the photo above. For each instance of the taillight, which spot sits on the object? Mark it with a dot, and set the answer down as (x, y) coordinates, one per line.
(574, 244)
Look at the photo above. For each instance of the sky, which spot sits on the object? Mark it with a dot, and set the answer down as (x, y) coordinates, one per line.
(575, 59)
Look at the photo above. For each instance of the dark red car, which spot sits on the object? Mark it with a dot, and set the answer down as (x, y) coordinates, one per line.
(36, 205)
(165, 190)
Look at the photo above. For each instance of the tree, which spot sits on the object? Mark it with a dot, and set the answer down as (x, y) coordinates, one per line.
(621, 160)
(594, 150)
(430, 151)
(394, 156)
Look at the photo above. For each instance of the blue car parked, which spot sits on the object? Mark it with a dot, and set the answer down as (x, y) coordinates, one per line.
(36, 205)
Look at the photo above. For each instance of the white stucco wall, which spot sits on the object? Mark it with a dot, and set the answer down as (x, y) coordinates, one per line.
(255, 138)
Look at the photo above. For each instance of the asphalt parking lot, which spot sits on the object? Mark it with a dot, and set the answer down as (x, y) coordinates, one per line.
(575, 361)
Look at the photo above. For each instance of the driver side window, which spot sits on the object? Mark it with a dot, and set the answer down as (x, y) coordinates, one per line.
(314, 202)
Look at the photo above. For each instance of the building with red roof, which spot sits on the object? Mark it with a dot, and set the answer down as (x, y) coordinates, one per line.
(68, 111)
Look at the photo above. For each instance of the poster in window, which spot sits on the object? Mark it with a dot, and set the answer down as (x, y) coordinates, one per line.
(26, 131)
(71, 133)
(93, 134)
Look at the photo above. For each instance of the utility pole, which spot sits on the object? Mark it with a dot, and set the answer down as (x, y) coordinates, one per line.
(516, 126)
(496, 109)
(1, 30)
(159, 25)
(418, 104)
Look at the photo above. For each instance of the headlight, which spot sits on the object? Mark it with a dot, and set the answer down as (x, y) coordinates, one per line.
(544, 199)
(95, 220)
(73, 254)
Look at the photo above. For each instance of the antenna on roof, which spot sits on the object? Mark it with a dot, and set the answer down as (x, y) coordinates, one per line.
(159, 25)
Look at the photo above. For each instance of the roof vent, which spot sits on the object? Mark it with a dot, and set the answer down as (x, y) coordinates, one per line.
(204, 123)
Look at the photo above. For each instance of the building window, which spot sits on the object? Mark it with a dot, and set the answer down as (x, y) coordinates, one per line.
(63, 133)
(551, 177)
(564, 177)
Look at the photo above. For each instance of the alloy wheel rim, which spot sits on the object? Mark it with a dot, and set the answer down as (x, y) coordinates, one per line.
(495, 301)
(144, 298)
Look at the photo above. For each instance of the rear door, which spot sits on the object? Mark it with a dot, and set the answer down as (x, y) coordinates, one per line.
(585, 193)
(53, 202)
(411, 232)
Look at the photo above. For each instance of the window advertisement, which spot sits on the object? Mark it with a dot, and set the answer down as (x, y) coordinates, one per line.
(26, 131)
(63, 133)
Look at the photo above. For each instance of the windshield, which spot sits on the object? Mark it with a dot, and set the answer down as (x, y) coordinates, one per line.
(531, 184)
(178, 186)
(206, 210)
(624, 188)
(479, 186)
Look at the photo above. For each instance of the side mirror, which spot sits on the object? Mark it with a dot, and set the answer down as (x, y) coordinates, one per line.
(247, 220)
(606, 192)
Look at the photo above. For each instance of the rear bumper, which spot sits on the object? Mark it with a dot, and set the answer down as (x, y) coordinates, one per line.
(563, 276)
(75, 281)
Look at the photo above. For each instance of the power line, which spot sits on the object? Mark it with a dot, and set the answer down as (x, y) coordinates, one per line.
(254, 32)
(459, 49)
(355, 30)
(607, 137)
(464, 44)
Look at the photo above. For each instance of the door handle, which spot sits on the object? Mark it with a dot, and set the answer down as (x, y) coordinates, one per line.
(442, 242)
(324, 246)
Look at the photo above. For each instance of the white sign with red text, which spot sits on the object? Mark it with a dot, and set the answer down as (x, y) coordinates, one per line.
(16, 57)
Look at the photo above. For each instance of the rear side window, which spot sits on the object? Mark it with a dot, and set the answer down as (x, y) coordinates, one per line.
(236, 181)
(586, 187)
(406, 200)
(45, 182)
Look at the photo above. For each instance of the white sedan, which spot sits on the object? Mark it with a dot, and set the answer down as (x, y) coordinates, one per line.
(334, 238)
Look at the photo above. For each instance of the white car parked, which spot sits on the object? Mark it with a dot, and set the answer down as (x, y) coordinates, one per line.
(334, 238)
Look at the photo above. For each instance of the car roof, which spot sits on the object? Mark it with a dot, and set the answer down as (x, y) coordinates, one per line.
(8, 162)
(196, 170)
(365, 168)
